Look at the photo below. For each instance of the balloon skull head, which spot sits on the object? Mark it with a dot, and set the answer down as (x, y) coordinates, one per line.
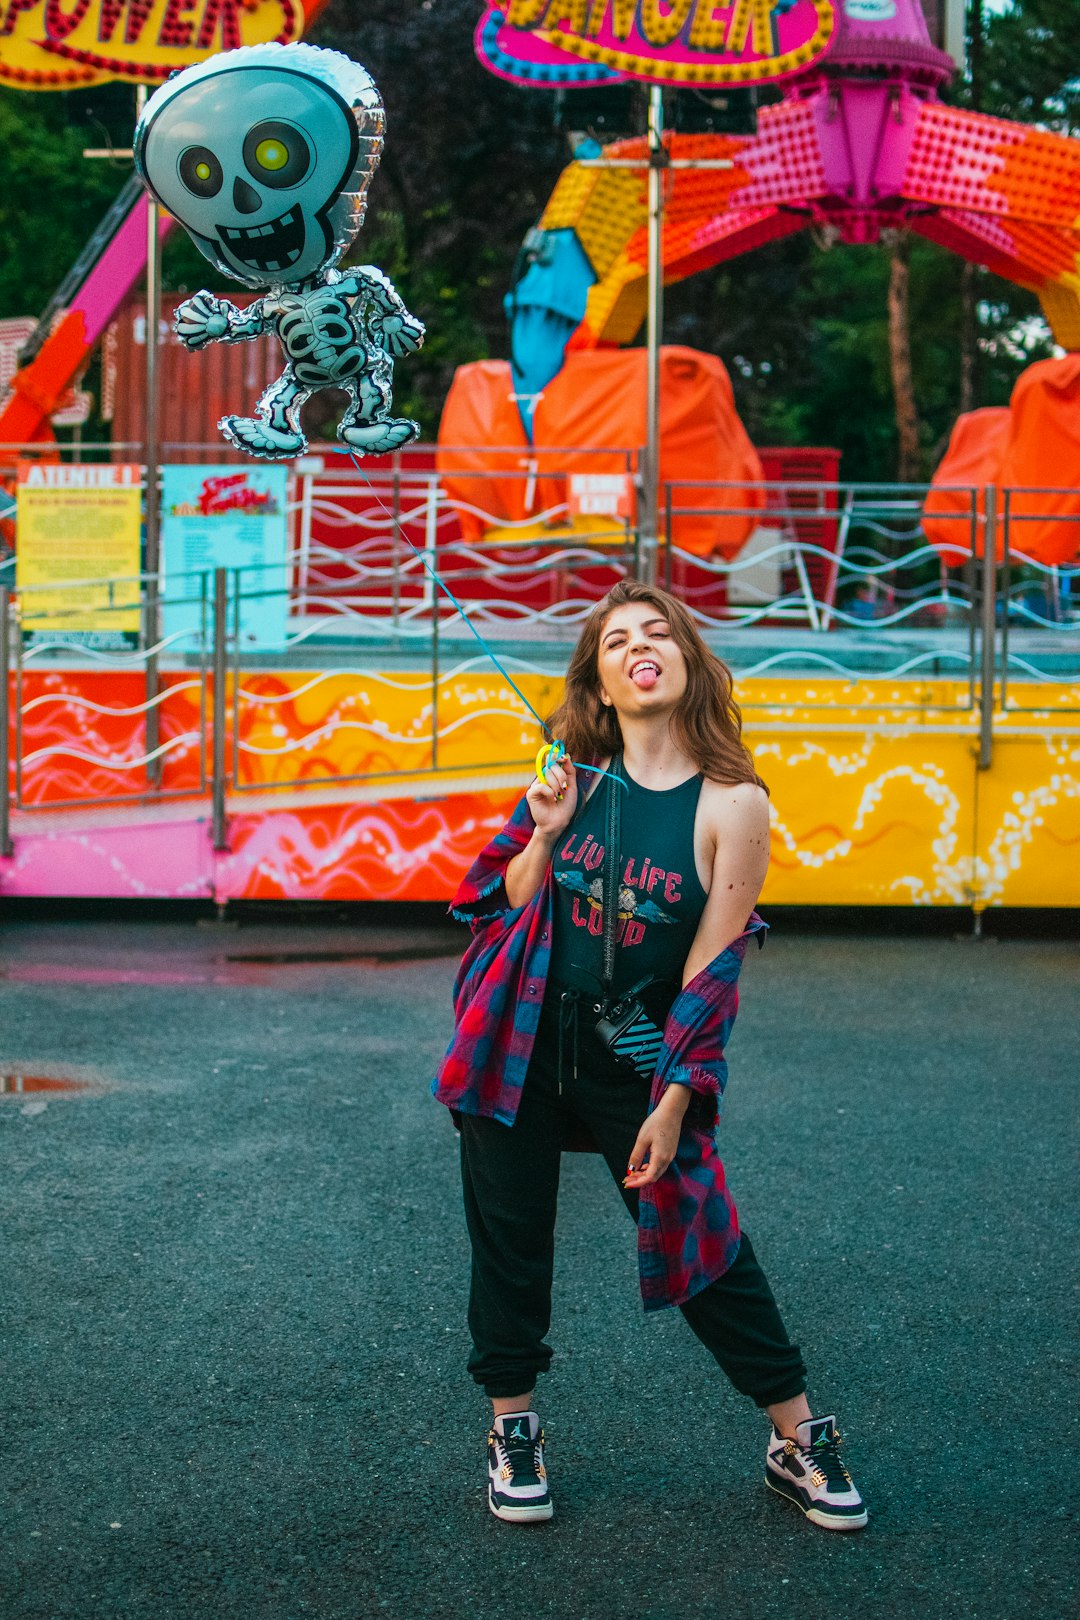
(265, 156)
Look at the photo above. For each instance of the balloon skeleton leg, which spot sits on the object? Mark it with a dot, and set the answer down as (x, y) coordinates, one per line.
(274, 430)
(366, 427)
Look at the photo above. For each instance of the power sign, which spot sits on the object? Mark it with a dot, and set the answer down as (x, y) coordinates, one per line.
(67, 44)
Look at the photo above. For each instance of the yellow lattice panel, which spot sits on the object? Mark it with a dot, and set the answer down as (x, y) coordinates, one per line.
(617, 305)
(1060, 302)
(604, 206)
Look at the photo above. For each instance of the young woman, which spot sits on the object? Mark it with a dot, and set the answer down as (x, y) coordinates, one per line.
(527, 1073)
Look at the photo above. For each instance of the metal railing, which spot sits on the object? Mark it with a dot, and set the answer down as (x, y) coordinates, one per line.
(1050, 586)
(32, 643)
(840, 581)
(496, 519)
(830, 558)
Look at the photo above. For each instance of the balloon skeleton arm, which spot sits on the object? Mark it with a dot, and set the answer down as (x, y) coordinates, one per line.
(205, 319)
(389, 323)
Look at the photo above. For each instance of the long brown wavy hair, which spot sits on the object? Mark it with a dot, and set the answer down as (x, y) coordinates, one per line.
(707, 724)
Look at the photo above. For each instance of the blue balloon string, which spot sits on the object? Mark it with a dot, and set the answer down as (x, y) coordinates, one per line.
(556, 744)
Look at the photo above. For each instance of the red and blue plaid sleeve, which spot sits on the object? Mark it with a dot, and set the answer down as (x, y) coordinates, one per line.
(500, 984)
(700, 1021)
(688, 1227)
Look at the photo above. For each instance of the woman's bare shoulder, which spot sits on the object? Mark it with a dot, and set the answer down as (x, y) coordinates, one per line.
(735, 805)
(742, 796)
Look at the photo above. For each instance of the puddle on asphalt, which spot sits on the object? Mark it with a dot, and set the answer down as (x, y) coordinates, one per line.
(19, 1084)
(71, 973)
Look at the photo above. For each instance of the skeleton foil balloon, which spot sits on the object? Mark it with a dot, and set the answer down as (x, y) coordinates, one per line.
(265, 155)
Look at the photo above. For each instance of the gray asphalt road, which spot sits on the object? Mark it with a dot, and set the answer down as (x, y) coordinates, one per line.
(234, 1268)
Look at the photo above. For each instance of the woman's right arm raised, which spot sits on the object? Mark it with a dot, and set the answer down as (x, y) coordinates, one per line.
(552, 803)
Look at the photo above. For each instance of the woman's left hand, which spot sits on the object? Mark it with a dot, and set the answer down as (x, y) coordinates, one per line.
(658, 1139)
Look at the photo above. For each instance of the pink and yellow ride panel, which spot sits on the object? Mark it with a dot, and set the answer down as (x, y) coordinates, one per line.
(873, 801)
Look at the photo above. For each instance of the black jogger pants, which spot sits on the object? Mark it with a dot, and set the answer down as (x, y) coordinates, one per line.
(510, 1178)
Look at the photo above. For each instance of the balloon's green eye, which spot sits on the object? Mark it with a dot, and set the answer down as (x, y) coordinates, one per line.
(271, 155)
(200, 171)
(277, 154)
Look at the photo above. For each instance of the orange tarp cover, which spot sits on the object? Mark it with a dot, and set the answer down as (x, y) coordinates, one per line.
(598, 400)
(1033, 444)
(973, 460)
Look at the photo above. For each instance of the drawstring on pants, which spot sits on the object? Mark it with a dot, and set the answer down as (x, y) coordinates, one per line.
(570, 1005)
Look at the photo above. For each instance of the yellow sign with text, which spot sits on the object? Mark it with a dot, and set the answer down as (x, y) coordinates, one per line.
(65, 44)
(73, 524)
(702, 42)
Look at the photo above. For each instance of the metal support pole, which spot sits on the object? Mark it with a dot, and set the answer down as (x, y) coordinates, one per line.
(5, 741)
(237, 588)
(220, 667)
(18, 650)
(650, 470)
(1006, 592)
(658, 161)
(989, 629)
(970, 584)
(303, 561)
(431, 539)
(395, 556)
(204, 682)
(435, 684)
(152, 558)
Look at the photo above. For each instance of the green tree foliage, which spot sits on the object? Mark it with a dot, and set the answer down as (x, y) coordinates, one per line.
(1029, 66)
(52, 197)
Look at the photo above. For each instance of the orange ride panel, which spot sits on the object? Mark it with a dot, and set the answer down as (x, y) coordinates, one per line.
(1032, 445)
(973, 460)
(479, 433)
(1044, 450)
(598, 401)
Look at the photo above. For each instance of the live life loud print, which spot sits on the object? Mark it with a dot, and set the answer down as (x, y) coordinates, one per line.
(579, 869)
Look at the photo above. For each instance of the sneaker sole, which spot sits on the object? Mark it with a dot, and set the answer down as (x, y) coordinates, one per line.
(526, 1514)
(827, 1521)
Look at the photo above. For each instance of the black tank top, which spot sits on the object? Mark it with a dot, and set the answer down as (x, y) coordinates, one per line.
(660, 895)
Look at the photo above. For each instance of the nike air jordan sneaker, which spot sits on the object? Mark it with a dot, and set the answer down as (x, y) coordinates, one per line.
(517, 1479)
(808, 1471)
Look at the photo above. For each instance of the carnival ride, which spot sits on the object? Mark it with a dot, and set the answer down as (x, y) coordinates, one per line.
(861, 143)
(1019, 450)
(111, 264)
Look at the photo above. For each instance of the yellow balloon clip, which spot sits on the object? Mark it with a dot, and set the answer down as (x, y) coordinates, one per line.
(549, 754)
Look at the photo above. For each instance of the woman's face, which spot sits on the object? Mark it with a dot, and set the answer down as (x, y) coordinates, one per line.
(641, 667)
